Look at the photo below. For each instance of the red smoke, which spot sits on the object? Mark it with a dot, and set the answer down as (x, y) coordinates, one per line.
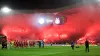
(82, 23)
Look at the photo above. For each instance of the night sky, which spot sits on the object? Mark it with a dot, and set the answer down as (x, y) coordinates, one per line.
(37, 4)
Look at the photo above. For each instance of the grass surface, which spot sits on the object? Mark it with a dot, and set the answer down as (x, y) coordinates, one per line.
(51, 51)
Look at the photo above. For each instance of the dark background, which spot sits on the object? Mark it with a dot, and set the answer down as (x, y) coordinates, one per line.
(37, 4)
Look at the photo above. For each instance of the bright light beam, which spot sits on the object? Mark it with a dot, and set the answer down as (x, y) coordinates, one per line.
(41, 21)
(57, 21)
(5, 10)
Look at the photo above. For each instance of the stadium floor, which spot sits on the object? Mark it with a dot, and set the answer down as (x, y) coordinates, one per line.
(51, 51)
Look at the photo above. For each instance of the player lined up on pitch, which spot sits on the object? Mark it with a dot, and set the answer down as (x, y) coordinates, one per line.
(24, 43)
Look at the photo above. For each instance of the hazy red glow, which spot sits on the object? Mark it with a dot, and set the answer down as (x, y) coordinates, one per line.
(83, 23)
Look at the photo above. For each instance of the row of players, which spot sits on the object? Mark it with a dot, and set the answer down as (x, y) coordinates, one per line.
(23, 43)
(26, 43)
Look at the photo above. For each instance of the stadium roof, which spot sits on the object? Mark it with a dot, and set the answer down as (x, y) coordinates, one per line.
(48, 10)
(54, 10)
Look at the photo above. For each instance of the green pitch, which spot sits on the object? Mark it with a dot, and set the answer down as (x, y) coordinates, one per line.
(51, 51)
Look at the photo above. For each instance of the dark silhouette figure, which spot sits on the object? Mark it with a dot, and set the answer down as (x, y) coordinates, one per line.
(72, 45)
(39, 44)
(51, 44)
(87, 45)
(4, 42)
(42, 44)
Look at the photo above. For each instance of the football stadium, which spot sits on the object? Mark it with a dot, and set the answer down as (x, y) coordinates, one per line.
(72, 30)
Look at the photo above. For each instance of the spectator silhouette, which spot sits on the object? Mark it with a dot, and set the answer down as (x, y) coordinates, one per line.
(87, 45)
(72, 45)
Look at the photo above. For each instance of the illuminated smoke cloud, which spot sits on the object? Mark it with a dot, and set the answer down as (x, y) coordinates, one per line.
(82, 23)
